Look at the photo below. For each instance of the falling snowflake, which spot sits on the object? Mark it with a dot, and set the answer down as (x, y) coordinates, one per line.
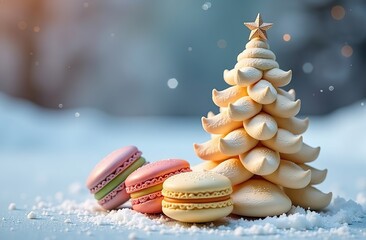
(321, 90)
(60, 105)
(190, 49)
(172, 83)
(206, 6)
(331, 88)
(77, 114)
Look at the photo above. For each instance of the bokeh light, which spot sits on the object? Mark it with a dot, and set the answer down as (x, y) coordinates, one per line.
(338, 12)
(36, 29)
(307, 67)
(22, 25)
(221, 43)
(347, 51)
(286, 37)
(206, 6)
(172, 83)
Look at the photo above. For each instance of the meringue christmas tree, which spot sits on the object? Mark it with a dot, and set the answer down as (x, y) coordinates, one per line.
(256, 138)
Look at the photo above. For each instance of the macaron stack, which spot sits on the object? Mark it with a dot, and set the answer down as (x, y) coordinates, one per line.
(197, 197)
(145, 184)
(167, 186)
(107, 179)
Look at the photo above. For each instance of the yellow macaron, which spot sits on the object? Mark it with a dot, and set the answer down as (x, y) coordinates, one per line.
(197, 197)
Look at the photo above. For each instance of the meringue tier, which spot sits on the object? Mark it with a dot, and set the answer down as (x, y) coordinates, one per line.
(256, 53)
(262, 92)
(304, 155)
(289, 175)
(220, 123)
(309, 197)
(210, 150)
(295, 125)
(234, 170)
(290, 94)
(317, 176)
(243, 109)
(261, 127)
(229, 95)
(283, 107)
(278, 77)
(284, 142)
(236, 142)
(260, 160)
(259, 198)
(257, 43)
(247, 76)
(229, 76)
(259, 63)
(205, 166)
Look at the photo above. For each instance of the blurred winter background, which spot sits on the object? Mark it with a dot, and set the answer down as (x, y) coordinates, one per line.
(164, 57)
(80, 78)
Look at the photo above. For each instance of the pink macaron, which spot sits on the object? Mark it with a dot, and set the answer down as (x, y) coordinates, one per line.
(145, 184)
(107, 180)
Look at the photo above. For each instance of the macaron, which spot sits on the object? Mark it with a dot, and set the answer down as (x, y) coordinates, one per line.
(145, 184)
(197, 197)
(107, 180)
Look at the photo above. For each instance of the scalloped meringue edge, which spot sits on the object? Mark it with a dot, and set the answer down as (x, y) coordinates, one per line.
(192, 206)
(154, 181)
(114, 174)
(184, 195)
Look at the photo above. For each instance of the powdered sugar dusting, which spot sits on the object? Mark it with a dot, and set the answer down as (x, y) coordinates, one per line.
(334, 222)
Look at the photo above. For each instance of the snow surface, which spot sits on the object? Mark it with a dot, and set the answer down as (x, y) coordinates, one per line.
(45, 157)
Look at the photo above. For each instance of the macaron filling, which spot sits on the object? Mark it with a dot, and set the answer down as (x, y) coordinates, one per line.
(120, 178)
(147, 191)
(199, 200)
(197, 206)
(110, 177)
(145, 198)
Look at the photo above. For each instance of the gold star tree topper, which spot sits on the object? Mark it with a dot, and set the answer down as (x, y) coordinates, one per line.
(258, 28)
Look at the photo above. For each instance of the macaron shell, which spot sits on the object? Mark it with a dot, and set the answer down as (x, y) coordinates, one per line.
(151, 206)
(192, 182)
(109, 164)
(120, 198)
(199, 215)
(153, 170)
(120, 178)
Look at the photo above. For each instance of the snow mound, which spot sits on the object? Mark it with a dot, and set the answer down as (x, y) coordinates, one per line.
(334, 221)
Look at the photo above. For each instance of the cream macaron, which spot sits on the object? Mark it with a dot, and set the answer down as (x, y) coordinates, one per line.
(197, 197)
